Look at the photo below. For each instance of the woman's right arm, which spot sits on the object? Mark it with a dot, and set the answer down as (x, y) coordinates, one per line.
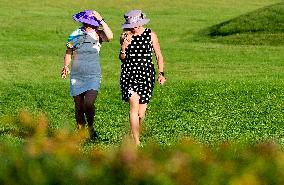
(122, 52)
(67, 61)
(124, 42)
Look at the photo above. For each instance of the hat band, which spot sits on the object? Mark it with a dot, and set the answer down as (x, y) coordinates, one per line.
(135, 19)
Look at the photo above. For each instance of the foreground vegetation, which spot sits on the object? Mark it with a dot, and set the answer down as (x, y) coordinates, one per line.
(56, 158)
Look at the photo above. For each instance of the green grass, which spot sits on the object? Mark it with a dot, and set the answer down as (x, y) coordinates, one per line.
(231, 89)
(264, 26)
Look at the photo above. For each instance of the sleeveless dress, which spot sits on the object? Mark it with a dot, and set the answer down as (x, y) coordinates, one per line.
(137, 69)
(86, 70)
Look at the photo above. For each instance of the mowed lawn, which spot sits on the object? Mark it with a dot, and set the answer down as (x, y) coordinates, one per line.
(215, 91)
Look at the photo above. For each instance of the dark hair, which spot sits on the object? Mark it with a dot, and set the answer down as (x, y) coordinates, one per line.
(88, 25)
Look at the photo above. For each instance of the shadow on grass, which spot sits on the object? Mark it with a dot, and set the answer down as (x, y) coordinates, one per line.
(264, 26)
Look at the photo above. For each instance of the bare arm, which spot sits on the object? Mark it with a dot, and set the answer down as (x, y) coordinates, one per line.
(159, 57)
(122, 52)
(125, 40)
(106, 34)
(67, 61)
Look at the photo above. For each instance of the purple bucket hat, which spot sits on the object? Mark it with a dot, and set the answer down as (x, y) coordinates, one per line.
(87, 17)
(134, 18)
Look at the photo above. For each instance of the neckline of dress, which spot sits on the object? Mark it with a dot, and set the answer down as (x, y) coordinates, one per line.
(141, 33)
(89, 33)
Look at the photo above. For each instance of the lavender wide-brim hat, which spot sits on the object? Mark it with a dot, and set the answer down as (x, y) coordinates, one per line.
(134, 18)
(87, 17)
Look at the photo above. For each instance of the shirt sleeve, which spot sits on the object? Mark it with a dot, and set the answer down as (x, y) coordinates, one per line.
(75, 39)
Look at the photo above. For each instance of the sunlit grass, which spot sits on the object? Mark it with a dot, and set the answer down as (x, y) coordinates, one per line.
(261, 27)
(207, 81)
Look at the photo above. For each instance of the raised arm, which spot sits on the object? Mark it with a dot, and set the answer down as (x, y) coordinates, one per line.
(125, 40)
(159, 57)
(106, 34)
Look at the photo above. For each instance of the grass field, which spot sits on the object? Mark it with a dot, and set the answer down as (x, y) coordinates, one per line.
(224, 83)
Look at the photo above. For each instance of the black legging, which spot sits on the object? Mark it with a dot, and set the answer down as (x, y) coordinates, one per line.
(85, 106)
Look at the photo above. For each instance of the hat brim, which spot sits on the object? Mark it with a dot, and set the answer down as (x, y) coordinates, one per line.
(132, 25)
(92, 22)
(86, 21)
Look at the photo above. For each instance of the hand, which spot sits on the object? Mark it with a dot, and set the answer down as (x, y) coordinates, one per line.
(97, 16)
(161, 79)
(65, 71)
(126, 41)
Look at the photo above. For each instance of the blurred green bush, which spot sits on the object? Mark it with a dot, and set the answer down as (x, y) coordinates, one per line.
(46, 157)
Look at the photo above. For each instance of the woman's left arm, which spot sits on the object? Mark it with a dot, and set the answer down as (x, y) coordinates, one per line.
(106, 34)
(159, 57)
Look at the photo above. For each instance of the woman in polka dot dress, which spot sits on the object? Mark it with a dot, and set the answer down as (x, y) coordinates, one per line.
(137, 70)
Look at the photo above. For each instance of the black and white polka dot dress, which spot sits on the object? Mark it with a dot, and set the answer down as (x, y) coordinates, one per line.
(137, 70)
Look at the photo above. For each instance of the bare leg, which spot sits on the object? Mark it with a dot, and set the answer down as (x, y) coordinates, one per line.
(141, 112)
(79, 111)
(133, 117)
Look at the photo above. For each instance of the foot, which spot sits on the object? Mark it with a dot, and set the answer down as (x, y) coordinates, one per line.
(80, 126)
(93, 134)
